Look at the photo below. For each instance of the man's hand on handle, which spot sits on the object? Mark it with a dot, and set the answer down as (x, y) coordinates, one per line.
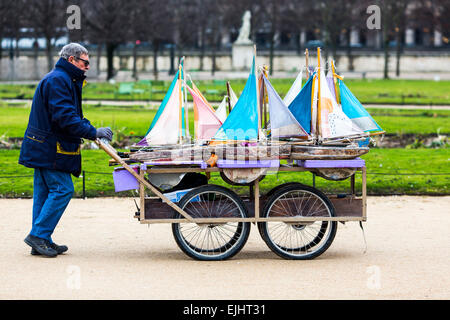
(104, 133)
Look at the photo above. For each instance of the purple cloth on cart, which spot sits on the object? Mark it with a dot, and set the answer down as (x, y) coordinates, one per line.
(352, 163)
(202, 164)
(248, 163)
(123, 180)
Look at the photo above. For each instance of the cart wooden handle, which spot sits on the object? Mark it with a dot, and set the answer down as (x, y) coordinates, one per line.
(113, 153)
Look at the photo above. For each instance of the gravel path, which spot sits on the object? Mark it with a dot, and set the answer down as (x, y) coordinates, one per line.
(112, 256)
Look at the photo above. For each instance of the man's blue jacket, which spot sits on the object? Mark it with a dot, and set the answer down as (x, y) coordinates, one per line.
(56, 124)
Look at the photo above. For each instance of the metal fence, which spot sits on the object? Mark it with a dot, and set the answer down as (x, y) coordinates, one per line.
(86, 173)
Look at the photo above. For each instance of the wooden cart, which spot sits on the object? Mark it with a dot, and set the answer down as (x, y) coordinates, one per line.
(212, 222)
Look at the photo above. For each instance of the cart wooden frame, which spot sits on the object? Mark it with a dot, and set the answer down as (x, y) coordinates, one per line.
(348, 207)
(362, 200)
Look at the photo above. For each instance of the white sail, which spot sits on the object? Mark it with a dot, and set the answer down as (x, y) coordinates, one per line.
(167, 129)
(332, 120)
(294, 90)
(221, 111)
(233, 98)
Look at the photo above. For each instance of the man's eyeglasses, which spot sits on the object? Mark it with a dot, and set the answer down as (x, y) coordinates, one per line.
(86, 62)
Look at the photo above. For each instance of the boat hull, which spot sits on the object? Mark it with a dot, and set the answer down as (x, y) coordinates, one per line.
(260, 152)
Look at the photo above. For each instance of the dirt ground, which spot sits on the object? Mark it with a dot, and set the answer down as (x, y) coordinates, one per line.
(112, 256)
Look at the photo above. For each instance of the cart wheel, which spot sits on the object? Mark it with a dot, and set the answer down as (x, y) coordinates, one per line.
(269, 194)
(212, 241)
(293, 240)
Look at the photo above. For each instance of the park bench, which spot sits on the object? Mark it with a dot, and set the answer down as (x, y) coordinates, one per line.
(127, 88)
(215, 90)
(154, 86)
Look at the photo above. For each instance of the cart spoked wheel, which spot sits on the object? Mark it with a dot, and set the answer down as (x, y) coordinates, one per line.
(269, 194)
(298, 240)
(212, 241)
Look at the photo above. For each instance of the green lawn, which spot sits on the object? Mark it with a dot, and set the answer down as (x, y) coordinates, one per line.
(135, 120)
(401, 121)
(416, 125)
(431, 164)
(374, 91)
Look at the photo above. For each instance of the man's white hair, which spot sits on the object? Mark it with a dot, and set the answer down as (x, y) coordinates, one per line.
(72, 49)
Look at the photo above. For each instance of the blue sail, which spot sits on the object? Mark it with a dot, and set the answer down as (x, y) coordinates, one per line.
(242, 122)
(355, 110)
(300, 107)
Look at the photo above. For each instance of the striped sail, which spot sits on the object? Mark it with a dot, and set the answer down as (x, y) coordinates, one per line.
(282, 122)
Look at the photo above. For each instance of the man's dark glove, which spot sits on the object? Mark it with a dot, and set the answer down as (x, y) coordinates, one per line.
(105, 133)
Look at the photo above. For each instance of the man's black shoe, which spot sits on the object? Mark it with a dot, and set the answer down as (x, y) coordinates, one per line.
(54, 246)
(41, 246)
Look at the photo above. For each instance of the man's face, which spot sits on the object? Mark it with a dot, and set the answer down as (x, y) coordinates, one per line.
(81, 62)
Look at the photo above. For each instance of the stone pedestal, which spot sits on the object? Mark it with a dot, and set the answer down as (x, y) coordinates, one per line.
(354, 37)
(242, 55)
(409, 37)
(437, 38)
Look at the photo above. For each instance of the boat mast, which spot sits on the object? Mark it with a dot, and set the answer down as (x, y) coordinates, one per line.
(257, 93)
(181, 106)
(318, 93)
(265, 96)
(335, 82)
(186, 114)
(307, 66)
(228, 97)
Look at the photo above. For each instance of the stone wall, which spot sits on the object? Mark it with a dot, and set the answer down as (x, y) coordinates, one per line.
(28, 67)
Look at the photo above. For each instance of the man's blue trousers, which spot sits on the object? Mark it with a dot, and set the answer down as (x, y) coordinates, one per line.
(51, 194)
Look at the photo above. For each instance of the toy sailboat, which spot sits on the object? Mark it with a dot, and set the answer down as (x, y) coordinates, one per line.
(170, 125)
(309, 123)
(350, 104)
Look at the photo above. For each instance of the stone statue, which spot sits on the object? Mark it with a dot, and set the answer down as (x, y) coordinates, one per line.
(244, 31)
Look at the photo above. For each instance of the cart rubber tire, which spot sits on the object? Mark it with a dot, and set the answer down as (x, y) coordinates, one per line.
(212, 241)
(269, 194)
(318, 238)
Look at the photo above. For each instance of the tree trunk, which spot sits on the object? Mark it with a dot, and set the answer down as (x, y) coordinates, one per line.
(48, 51)
(180, 54)
(35, 58)
(271, 49)
(155, 58)
(172, 57)
(17, 49)
(298, 44)
(386, 59)
(386, 27)
(213, 59)
(12, 75)
(398, 54)
(202, 48)
(273, 30)
(333, 53)
(110, 47)
(99, 56)
(351, 66)
(134, 74)
(214, 41)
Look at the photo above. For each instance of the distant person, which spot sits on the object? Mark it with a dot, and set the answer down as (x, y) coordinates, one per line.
(51, 145)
